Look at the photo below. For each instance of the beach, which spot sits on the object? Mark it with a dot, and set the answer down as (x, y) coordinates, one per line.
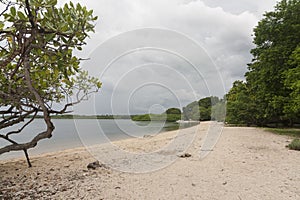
(246, 163)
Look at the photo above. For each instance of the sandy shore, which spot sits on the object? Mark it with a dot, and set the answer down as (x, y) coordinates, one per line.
(246, 163)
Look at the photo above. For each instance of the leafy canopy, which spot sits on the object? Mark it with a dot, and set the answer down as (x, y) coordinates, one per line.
(272, 82)
(37, 63)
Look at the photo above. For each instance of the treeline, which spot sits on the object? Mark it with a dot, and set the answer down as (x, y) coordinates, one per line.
(170, 115)
(208, 108)
(271, 93)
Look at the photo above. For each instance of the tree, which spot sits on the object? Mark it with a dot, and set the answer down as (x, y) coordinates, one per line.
(271, 82)
(238, 109)
(191, 111)
(276, 38)
(205, 107)
(218, 111)
(173, 114)
(292, 82)
(38, 70)
(173, 111)
(200, 110)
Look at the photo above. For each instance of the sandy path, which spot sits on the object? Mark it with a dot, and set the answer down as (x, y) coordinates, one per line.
(246, 163)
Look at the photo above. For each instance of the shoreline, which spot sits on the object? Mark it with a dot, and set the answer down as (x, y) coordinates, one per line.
(12, 157)
(246, 163)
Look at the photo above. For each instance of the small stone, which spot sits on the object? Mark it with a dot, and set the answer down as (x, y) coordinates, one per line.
(93, 165)
(185, 155)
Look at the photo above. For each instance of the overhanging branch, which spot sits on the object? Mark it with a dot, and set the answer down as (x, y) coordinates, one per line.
(28, 145)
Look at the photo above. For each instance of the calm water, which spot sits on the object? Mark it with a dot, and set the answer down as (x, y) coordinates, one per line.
(71, 133)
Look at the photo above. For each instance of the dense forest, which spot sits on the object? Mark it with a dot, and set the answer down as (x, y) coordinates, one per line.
(208, 108)
(170, 115)
(270, 95)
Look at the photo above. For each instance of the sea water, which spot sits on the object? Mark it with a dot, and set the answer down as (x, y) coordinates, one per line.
(72, 133)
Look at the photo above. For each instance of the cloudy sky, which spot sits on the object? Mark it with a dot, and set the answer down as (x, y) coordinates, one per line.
(152, 55)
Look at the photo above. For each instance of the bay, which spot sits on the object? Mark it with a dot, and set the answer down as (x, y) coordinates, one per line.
(72, 133)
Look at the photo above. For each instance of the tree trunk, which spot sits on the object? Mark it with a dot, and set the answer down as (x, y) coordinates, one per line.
(27, 158)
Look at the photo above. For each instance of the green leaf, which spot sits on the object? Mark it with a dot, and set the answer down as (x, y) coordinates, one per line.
(21, 15)
(1, 25)
(79, 6)
(13, 11)
(53, 2)
(50, 37)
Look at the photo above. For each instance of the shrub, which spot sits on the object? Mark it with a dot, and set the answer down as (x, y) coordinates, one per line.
(295, 144)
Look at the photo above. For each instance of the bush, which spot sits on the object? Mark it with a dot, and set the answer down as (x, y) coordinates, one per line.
(295, 144)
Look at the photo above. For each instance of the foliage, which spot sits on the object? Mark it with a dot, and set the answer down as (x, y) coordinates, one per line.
(285, 131)
(218, 111)
(173, 111)
(202, 110)
(191, 111)
(295, 144)
(149, 117)
(238, 104)
(292, 82)
(271, 91)
(173, 117)
(37, 65)
(145, 117)
(170, 115)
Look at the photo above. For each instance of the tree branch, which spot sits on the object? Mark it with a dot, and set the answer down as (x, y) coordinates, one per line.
(21, 129)
(6, 123)
(30, 16)
(7, 6)
(8, 111)
(28, 145)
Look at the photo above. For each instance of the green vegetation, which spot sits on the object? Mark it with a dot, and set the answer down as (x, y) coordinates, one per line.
(270, 96)
(149, 117)
(295, 144)
(171, 115)
(38, 69)
(208, 108)
(285, 131)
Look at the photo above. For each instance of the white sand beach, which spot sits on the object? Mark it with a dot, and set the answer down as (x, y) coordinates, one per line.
(246, 163)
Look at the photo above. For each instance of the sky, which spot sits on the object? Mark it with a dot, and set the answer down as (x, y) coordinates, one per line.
(153, 55)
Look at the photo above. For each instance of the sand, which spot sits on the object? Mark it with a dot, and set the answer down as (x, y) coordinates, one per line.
(246, 163)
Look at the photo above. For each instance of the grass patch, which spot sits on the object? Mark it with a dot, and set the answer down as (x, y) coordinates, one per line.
(285, 131)
(295, 144)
